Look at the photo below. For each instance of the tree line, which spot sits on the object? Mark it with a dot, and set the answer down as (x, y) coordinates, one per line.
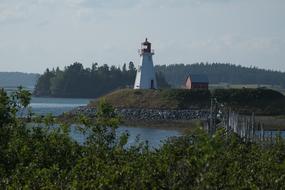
(176, 74)
(75, 81)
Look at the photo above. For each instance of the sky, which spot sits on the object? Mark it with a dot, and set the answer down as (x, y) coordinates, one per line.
(40, 34)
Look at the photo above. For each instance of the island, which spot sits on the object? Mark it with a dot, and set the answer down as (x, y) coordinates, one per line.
(183, 108)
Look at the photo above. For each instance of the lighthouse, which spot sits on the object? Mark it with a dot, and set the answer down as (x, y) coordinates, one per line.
(145, 78)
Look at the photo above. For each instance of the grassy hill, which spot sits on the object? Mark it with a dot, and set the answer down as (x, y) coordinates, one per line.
(158, 99)
(260, 101)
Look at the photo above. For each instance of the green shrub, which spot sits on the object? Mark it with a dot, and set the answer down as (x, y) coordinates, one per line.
(42, 157)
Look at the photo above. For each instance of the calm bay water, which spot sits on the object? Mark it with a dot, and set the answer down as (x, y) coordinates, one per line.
(273, 133)
(57, 106)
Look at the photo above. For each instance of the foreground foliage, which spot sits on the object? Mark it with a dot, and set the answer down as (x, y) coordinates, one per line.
(45, 157)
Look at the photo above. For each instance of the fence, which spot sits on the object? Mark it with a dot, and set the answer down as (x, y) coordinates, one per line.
(244, 126)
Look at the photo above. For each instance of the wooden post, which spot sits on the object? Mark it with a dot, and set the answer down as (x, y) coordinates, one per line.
(262, 132)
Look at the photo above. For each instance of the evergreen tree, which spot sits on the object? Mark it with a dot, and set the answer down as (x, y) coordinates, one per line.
(79, 82)
(43, 85)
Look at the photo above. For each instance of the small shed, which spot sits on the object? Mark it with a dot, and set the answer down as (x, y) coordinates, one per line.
(197, 82)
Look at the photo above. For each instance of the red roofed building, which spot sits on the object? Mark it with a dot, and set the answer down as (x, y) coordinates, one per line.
(197, 82)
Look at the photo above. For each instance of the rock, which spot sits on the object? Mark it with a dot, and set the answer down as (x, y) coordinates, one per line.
(148, 114)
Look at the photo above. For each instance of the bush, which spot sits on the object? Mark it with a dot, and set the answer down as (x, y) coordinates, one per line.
(44, 157)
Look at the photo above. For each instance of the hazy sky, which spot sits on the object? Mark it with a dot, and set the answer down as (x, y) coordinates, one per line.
(36, 34)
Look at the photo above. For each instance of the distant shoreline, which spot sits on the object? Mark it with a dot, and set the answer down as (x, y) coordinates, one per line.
(177, 125)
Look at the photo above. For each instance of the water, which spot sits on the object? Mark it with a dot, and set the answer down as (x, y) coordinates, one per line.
(274, 133)
(155, 137)
(57, 106)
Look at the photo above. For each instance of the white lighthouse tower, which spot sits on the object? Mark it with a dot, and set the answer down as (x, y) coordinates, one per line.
(145, 78)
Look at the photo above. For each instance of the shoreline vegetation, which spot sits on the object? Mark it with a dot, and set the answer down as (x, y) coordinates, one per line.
(177, 125)
(270, 123)
(182, 126)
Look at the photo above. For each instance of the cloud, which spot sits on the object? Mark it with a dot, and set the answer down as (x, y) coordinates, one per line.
(57, 32)
(126, 4)
(20, 10)
(11, 12)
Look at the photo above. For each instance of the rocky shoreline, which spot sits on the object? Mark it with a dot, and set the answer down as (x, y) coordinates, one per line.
(148, 114)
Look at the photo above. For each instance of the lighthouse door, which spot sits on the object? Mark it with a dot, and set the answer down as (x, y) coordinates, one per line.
(152, 84)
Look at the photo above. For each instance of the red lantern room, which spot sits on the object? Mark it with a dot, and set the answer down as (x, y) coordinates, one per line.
(146, 47)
